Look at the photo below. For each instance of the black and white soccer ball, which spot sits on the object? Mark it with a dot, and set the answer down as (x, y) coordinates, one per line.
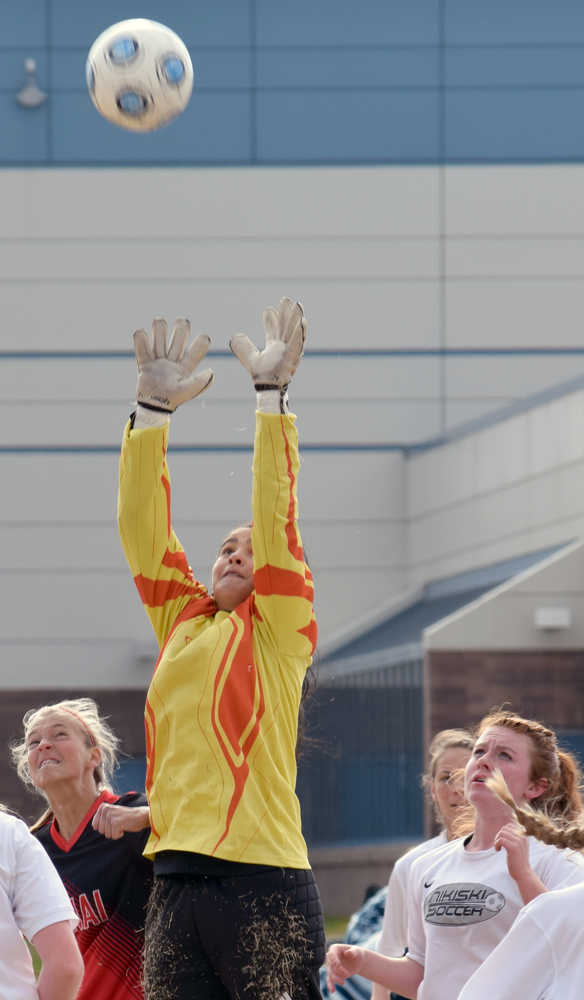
(139, 74)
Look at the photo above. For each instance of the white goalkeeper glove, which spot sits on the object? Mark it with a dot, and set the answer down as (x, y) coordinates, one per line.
(166, 371)
(272, 368)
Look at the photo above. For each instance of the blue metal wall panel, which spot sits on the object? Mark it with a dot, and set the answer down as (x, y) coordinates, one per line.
(130, 775)
(390, 81)
(519, 125)
(214, 129)
(25, 137)
(514, 66)
(360, 766)
(347, 68)
(382, 798)
(505, 22)
(345, 22)
(220, 22)
(572, 740)
(23, 23)
(317, 126)
(215, 69)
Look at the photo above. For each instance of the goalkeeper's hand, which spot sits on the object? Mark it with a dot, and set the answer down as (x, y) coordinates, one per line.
(166, 371)
(274, 366)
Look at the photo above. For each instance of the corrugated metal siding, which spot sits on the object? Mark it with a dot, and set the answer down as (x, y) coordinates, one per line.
(414, 81)
(359, 775)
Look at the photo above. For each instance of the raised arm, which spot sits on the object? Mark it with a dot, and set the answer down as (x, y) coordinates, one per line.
(282, 581)
(113, 820)
(166, 378)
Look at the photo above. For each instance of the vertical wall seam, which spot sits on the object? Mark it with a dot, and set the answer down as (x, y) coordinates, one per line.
(442, 210)
(49, 147)
(253, 151)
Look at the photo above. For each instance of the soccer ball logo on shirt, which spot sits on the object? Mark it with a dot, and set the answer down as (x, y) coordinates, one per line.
(462, 903)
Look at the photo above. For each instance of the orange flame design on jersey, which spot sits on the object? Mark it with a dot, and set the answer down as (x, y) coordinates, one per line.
(238, 705)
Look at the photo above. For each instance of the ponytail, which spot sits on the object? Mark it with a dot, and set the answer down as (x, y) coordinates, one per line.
(568, 797)
(535, 822)
(47, 817)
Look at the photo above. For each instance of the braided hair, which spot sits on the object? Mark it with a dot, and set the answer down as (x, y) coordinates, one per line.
(537, 823)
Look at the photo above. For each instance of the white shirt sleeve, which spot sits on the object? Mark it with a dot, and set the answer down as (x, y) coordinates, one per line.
(561, 868)
(394, 931)
(39, 898)
(415, 925)
(520, 966)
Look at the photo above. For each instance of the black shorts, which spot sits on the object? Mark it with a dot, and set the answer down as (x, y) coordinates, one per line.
(256, 936)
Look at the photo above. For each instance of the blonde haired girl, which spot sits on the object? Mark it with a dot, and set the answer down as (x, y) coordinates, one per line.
(448, 755)
(94, 838)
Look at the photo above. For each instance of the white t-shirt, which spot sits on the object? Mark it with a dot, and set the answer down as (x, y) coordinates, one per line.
(542, 956)
(462, 903)
(32, 897)
(394, 931)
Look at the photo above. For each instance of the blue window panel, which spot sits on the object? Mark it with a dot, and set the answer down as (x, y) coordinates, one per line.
(514, 21)
(23, 23)
(344, 22)
(214, 128)
(514, 66)
(12, 74)
(222, 69)
(572, 740)
(519, 126)
(220, 22)
(371, 787)
(348, 67)
(355, 127)
(130, 775)
(24, 132)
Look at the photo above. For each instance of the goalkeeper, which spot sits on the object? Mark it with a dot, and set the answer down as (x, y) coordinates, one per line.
(235, 911)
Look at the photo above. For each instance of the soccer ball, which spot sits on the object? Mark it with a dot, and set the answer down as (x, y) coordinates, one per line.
(139, 74)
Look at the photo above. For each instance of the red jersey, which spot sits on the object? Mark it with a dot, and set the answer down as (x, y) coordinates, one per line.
(108, 882)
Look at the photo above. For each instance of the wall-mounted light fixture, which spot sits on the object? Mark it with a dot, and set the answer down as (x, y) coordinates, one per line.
(31, 95)
(552, 618)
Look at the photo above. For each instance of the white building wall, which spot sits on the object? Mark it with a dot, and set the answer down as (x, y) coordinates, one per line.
(86, 256)
(416, 262)
(511, 616)
(509, 489)
(513, 251)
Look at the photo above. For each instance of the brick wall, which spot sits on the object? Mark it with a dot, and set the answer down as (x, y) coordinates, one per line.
(461, 686)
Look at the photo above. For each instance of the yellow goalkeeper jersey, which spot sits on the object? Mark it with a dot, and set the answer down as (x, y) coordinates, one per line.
(222, 709)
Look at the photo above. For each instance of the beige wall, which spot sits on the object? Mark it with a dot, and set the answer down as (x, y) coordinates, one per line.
(509, 489)
(506, 617)
(397, 258)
